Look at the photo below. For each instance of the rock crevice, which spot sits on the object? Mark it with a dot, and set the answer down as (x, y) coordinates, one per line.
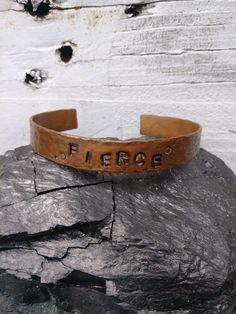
(132, 243)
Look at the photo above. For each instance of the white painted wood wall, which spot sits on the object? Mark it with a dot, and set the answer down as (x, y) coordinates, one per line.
(175, 58)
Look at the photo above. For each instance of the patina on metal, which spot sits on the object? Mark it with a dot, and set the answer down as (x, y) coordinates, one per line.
(177, 142)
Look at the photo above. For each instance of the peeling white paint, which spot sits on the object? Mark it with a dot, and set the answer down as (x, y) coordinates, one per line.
(175, 58)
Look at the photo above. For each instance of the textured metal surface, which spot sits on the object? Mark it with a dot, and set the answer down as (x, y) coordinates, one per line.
(179, 144)
(158, 241)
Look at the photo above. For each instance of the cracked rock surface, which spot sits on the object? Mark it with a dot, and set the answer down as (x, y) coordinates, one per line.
(84, 242)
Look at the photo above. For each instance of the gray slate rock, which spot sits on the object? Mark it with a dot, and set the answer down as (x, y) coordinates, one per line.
(129, 243)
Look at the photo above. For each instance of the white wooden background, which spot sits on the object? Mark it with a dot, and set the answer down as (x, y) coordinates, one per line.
(175, 58)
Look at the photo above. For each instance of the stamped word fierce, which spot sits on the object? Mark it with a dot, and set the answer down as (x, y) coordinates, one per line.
(123, 158)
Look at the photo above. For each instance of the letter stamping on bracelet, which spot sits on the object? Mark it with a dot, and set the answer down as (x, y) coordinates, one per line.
(169, 142)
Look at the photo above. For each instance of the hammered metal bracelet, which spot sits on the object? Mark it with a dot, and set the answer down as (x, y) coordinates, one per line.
(177, 143)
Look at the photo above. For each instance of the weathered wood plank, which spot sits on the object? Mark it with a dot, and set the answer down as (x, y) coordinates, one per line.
(153, 21)
(177, 40)
(93, 43)
(165, 6)
(212, 92)
(161, 69)
(18, 5)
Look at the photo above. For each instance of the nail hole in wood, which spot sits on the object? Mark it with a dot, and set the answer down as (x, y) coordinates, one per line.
(41, 11)
(134, 9)
(65, 53)
(35, 77)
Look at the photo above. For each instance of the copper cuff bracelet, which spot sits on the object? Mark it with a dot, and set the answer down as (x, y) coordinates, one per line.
(177, 143)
